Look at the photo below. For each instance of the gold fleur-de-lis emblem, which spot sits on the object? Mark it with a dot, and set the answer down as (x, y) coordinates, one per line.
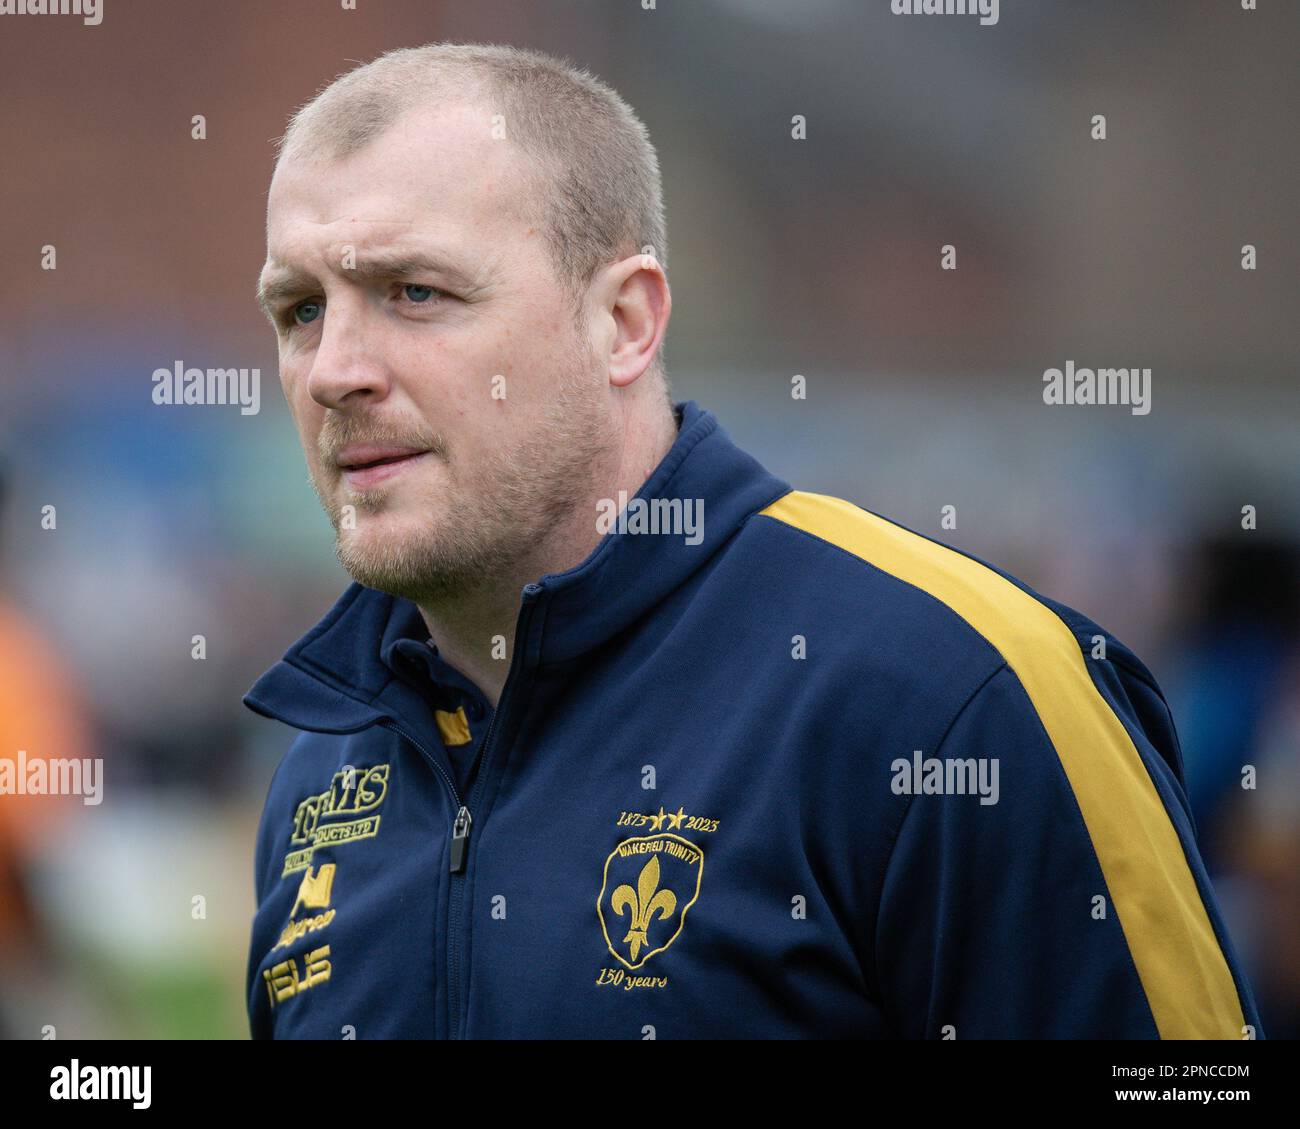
(645, 902)
(650, 882)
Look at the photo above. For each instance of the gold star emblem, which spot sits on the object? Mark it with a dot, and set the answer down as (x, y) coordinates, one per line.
(657, 821)
(676, 820)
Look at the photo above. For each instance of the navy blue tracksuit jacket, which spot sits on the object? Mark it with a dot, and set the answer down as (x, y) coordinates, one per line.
(809, 774)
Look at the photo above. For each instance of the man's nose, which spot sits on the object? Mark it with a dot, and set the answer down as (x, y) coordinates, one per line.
(349, 367)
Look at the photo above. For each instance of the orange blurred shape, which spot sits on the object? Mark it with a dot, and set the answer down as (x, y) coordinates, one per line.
(41, 712)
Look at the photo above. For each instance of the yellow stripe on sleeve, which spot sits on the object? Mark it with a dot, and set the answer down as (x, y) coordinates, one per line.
(1188, 985)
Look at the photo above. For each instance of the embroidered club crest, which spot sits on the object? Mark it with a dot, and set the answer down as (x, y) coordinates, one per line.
(650, 882)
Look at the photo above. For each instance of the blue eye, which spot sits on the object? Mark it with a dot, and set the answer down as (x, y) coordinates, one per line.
(300, 312)
(424, 293)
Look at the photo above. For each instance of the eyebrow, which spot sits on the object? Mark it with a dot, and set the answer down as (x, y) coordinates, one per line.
(284, 283)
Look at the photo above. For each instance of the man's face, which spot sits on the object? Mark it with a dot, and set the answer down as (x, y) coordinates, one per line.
(450, 410)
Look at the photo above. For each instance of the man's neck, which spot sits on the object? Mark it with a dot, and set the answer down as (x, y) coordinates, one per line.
(475, 632)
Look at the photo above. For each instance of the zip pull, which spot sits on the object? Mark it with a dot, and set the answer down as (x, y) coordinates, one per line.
(460, 840)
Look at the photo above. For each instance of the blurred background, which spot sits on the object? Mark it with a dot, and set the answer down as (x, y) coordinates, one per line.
(818, 258)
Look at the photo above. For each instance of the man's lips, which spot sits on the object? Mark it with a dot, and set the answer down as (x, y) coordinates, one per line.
(368, 464)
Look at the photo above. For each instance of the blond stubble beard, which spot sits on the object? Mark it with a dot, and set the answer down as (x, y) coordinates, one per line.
(517, 500)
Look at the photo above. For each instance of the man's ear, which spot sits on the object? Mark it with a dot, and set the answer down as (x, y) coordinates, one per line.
(639, 302)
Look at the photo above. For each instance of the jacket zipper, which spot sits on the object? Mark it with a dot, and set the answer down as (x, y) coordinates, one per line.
(390, 724)
(459, 832)
(484, 760)
(460, 828)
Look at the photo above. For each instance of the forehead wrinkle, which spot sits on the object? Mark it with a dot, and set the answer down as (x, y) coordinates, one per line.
(502, 186)
(285, 280)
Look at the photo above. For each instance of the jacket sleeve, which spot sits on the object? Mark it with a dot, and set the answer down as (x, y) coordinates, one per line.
(268, 828)
(1067, 898)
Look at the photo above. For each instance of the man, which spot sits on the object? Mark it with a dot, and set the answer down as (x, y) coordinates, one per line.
(616, 735)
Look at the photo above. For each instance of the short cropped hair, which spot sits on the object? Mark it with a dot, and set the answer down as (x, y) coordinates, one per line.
(592, 181)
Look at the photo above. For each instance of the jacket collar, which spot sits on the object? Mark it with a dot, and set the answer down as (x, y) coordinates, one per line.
(339, 677)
